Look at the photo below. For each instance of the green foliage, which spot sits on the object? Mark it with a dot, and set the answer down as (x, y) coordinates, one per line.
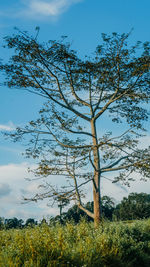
(30, 222)
(112, 244)
(13, 223)
(135, 206)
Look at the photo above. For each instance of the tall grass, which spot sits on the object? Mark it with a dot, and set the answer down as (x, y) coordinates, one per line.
(112, 244)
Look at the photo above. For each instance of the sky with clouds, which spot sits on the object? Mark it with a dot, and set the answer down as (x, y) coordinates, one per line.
(82, 21)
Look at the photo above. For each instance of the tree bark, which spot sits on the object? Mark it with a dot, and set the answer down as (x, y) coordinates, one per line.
(96, 182)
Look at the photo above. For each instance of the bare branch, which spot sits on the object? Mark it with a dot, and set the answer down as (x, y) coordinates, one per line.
(62, 95)
(70, 146)
(99, 100)
(114, 164)
(74, 92)
(115, 98)
(134, 164)
(76, 132)
(90, 214)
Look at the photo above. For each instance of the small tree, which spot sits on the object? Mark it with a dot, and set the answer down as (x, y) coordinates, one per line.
(68, 138)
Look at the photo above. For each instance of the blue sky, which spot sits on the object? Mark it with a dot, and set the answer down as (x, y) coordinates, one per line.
(82, 21)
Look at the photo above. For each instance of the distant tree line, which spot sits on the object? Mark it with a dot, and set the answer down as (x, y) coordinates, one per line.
(16, 223)
(134, 207)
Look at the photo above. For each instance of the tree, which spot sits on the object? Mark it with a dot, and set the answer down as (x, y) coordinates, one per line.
(135, 206)
(30, 222)
(62, 202)
(68, 138)
(108, 207)
(13, 223)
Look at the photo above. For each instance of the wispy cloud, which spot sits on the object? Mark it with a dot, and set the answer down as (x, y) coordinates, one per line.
(50, 8)
(39, 8)
(7, 127)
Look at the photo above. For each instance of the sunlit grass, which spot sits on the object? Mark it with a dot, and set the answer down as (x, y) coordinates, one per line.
(112, 244)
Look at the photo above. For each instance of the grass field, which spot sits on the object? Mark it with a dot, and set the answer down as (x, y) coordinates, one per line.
(112, 244)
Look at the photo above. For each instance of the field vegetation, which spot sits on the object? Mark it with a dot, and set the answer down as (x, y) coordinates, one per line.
(111, 244)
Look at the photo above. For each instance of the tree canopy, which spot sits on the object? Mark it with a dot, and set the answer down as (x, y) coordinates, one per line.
(135, 206)
(68, 138)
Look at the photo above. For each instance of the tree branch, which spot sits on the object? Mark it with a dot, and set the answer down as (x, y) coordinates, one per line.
(74, 92)
(114, 98)
(90, 214)
(99, 100)
(56, 101)
(62, 95)
(68, 146)
(114, 164)
(134, 164)
(107, 105)
(76, 132)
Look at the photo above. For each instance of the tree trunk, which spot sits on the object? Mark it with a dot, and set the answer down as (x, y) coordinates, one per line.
(96, 182)
(97, 206)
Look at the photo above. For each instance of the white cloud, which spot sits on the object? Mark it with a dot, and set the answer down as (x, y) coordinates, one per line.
(144, 142)
(7, 127)
(48, 8)
(4, 189)
(118, 192)
(13, 187)
(37, 9)
(52, 8)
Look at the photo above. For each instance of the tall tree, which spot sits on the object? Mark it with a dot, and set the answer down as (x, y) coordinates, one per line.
(68, 138)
